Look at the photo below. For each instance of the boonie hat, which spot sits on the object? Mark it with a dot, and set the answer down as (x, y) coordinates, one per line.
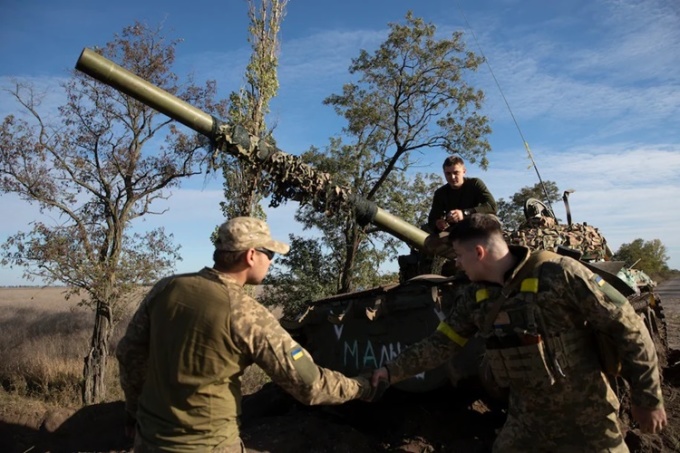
(243, 233)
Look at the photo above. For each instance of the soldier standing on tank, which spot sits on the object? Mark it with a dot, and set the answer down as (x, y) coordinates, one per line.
(184, 352)
(538, 313)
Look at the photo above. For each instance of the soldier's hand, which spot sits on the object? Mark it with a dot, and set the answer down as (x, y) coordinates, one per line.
(650, 420)
(442, 224)
(378, 375)
(455, 216)
(376, 387)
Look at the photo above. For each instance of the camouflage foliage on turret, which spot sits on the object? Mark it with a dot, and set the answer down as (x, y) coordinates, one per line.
(545, 234)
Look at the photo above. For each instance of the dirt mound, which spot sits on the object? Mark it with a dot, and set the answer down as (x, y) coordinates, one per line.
(460, 420)
(444, 420)
(95, 428)
(669, 440)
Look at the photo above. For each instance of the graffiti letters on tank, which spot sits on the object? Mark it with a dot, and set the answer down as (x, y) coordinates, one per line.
(363, 354)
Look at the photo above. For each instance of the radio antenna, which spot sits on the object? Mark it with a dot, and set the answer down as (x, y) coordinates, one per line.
(507, 104)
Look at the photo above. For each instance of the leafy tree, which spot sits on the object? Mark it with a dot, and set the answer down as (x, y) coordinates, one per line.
(511, 212)
(243, 186)
(412, 92)
(317, 270)
(97, 168)
(357, 251)
(650, 256)
(302, 275)
(410, 95)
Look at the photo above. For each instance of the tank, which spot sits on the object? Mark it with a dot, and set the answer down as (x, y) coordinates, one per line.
(350, 332)
(541, 230)
(355, 332)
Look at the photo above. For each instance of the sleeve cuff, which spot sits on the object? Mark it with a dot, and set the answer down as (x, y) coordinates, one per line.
(394, 373)
(648, 399)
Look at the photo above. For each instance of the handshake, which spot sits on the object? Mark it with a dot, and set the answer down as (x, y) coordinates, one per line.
(375, 384)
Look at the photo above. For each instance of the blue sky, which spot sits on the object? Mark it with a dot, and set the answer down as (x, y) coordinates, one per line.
(594, 85)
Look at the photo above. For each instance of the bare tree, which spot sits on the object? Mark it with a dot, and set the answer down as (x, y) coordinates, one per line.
(243, 185)
(95, 169)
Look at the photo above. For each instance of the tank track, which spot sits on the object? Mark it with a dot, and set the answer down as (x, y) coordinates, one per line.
(648, 305)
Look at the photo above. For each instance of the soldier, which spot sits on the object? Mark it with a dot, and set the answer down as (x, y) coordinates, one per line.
(184, 352)
(538, 313)
(459, 197)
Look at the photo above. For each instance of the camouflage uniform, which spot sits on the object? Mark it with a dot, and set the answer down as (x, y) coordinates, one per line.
(560, 400)
(184, 353)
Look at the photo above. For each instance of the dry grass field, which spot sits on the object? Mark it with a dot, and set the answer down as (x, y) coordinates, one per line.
(43, 341)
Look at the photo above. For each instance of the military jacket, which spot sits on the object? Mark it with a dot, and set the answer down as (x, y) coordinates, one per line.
(472, 195)
(184, 352)
(571, 302)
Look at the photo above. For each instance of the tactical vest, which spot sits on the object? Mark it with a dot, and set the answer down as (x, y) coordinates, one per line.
(192, 394)
(519, 348)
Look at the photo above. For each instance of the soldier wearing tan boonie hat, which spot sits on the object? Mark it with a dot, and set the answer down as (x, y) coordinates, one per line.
(185, 349)
(243, 233)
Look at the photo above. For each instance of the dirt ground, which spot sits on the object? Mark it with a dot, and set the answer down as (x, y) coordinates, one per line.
(446, 420)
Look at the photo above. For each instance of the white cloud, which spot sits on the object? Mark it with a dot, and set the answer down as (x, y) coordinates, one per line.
(326, 54)
(625, 77)
(630, 192)
(643, 38)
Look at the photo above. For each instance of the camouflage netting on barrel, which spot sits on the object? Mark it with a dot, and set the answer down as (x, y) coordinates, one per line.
(290, 178)
(544, 234)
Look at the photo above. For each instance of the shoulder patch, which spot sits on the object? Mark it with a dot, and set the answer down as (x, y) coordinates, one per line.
(303, 364)
(529, 285)
(296, 353)
(608, 290)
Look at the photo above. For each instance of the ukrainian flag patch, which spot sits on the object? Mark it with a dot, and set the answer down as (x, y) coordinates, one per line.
(297, 353)
(599, 280)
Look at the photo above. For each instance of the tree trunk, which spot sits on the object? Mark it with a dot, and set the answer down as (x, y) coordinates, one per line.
(94, 387)
(347, 279)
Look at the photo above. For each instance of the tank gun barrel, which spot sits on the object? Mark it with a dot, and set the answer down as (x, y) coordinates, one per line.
(293, 179)
(108, 72)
